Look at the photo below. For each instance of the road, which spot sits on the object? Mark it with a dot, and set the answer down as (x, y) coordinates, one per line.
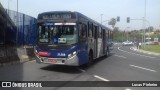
(123, 64)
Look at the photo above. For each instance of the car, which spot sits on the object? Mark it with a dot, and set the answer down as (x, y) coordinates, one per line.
(127, 43)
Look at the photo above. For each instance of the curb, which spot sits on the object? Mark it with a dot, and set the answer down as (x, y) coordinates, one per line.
(9, 63)
(143, 51)
(18, 55)
(14, 62)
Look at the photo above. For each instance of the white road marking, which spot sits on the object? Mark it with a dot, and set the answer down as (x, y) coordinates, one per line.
(120, 56)
(96, 76)
(134, 53)
(103, 79)
(128, 89)
(143, 68)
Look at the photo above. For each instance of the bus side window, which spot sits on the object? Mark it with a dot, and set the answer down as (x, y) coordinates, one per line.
(108, 34)
(83, 31)
(111, 35)
(95, 31)
(90, 30)
(100, 33)
(104, 34)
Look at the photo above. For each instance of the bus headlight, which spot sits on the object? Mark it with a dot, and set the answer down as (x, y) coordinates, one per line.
(36, 51)
(72, 54)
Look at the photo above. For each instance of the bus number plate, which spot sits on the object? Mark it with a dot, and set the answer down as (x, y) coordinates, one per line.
(52, 60)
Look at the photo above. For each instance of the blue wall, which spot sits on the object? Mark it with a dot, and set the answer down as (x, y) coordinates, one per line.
(26, 28)
(17, 31)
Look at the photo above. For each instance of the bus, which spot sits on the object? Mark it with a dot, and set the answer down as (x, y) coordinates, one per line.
(70, 38)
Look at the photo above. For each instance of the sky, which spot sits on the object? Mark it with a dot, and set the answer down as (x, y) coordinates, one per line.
(135, 9)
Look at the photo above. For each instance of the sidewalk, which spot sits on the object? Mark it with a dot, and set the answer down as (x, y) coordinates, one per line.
(143, 51)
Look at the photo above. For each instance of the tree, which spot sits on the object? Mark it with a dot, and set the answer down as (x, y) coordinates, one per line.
(116, 29)
(150, 29)
(112, 22)
(157, 31)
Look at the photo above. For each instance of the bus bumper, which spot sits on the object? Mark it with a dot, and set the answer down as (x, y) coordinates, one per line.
(73, 61)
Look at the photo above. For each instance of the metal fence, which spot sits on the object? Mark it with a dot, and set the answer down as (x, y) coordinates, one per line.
(16, 29)
(26, 28)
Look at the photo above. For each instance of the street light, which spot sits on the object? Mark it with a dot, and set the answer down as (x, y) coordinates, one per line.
(127, 31)
(144, 19)
(148, 24)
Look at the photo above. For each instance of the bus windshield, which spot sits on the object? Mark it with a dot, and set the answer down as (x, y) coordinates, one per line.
(58, 34)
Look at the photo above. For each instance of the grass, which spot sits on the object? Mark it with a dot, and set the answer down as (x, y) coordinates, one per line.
(152, 48)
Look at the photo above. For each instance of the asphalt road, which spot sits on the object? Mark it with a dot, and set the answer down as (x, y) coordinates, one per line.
(123, 64)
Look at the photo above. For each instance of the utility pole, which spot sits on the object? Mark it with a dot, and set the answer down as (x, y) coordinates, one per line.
(144, 24)
(127, 32)
(122, 35)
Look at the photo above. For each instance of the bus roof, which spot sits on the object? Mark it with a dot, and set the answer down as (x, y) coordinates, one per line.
(72, 12)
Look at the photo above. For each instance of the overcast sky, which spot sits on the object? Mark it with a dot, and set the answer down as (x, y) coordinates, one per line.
(94, 8)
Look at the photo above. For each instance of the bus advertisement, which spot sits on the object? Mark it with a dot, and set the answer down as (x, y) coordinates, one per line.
(70, 38)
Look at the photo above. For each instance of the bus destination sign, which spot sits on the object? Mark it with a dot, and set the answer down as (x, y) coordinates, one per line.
(58, 16)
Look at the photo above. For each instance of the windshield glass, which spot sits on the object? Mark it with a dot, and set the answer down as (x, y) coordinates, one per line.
(58, 34)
